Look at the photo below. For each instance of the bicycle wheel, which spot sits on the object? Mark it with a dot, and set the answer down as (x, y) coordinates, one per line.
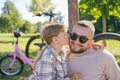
(110, 40)
(4, 66)
(32, 46)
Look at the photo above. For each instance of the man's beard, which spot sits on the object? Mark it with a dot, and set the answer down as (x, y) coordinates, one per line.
(81, 50)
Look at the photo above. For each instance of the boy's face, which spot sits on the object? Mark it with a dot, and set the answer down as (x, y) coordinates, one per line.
(63, 38)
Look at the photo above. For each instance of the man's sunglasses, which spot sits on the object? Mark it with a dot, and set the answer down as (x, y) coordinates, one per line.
(82, 39)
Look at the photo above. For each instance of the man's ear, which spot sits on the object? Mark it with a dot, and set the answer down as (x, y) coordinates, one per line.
(91, 42)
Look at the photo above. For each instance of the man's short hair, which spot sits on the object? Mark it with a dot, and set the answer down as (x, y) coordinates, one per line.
(87, 24)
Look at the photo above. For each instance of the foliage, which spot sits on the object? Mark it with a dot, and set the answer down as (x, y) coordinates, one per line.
(98, 8)
(29, 28)
(102, 11)
(10, 18)
(44, 6)
(39, 6)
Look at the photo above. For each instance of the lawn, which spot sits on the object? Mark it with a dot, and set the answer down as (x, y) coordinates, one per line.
(6, 46)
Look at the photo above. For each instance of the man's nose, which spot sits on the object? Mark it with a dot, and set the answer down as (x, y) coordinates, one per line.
(77, 40)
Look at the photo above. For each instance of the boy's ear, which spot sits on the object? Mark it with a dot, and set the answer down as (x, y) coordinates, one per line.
(54, 39)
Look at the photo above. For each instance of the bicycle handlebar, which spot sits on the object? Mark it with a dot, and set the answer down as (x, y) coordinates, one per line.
(51, 14)
(17, 33)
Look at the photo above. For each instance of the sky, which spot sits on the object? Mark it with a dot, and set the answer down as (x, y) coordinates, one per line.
(21, 5)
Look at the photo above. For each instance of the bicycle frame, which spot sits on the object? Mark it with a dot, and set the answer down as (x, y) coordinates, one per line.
(13, 63)
(19, 54)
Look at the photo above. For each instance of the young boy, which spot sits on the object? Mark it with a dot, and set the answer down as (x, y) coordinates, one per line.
(52, 63)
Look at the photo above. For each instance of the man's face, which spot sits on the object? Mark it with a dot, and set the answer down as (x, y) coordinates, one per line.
(77, 44)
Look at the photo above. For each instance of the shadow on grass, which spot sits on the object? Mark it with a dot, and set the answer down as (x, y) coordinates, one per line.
(5, 41)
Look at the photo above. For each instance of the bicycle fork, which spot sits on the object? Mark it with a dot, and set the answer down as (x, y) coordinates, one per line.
(12, 61)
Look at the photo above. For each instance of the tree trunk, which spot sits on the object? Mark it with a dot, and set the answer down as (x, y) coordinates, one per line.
(104, 23)
(104, 27)
(73, 12)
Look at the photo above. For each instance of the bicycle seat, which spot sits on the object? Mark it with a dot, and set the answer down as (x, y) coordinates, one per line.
(40, 44)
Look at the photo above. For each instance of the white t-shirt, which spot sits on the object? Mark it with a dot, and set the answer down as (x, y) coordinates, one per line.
(94, 65)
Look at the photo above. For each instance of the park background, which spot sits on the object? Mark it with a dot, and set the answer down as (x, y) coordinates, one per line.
(105, 15)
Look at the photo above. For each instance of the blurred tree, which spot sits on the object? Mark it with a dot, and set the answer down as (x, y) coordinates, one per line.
(39, 26)
(29, 27)
(10, 18)
(39, 6)
(100, 9)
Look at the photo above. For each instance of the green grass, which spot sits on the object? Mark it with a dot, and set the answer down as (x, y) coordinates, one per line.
(7, 39)
(22, 76)
(6, 46)
(113, 46)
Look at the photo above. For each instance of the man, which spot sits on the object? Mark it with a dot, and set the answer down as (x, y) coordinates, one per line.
(92, 64)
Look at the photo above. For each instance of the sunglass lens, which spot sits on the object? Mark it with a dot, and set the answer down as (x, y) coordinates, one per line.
(73, 36)
(83, 39)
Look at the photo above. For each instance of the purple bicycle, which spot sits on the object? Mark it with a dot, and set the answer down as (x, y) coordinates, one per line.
(13, 63)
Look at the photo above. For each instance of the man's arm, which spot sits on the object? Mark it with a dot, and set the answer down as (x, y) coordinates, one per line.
(112, 70)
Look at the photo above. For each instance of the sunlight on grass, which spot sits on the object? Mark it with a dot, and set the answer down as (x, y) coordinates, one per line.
(6, 46)
(7, 39)
(113, 46)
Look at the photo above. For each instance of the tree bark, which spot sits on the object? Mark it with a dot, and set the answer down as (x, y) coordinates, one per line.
(104, 27)
(104, 23)
(73, 12)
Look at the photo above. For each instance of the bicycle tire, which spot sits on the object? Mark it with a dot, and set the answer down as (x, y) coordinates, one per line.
(31, 49)
(4, 66)
(111, 40)
(103, 36)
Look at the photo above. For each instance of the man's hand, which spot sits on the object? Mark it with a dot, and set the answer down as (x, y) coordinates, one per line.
(76, 76)
(98, 46)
